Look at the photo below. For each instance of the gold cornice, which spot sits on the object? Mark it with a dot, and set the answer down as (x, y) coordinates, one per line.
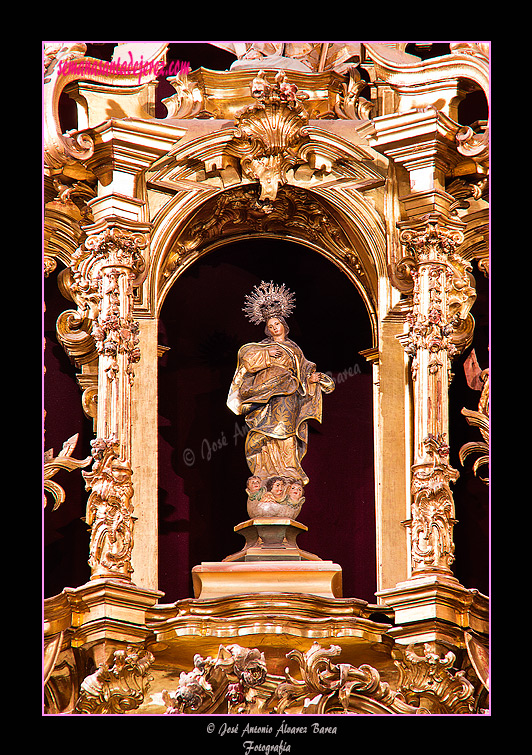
(279, 620)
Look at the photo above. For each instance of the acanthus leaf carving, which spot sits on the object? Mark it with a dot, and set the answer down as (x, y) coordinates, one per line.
(425, 684)
(349, 103)
(432, 517)
(235, 671)
(440, 326)
(443, 289)
(53, 464)
(240, 211)
(103, 270)
(478, 380)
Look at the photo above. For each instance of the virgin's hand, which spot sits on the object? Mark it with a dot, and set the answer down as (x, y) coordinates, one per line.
(275, 352)
(315, 377)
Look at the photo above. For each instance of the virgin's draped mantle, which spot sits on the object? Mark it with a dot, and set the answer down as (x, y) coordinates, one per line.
(277, 399)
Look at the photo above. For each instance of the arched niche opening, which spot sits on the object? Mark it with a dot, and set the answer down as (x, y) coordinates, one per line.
(202, 467)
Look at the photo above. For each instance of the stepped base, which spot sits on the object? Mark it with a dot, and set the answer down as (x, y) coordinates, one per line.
(217, 579)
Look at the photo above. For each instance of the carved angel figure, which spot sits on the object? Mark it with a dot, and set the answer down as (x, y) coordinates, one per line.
(277, 390)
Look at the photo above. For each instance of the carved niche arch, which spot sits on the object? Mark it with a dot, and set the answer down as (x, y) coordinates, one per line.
(296, 215)
(322, 204)
(333, 204)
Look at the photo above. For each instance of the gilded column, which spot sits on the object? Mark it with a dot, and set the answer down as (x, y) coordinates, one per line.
(103, 271)
(439, 327)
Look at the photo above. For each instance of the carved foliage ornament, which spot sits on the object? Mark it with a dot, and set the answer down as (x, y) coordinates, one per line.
(111, 247)
(478, 379)
(53, 464)
(109, 512)
(440, 325)
(426, 684)
(443, 291)
(236, 670)
(118, 688)
(432, 511)
(432, 681)
(102, 273)
(239, 211)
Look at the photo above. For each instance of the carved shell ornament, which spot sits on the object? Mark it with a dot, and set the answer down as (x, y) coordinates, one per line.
(271, 134)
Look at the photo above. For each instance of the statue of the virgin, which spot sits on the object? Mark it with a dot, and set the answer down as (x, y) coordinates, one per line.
(278, 391)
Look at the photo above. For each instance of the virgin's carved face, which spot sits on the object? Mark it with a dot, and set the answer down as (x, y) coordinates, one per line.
(275, 327)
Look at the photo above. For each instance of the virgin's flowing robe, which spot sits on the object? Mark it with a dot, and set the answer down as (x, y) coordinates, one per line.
(277, 399)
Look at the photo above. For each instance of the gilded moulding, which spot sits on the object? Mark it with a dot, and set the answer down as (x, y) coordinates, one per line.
(296, 214)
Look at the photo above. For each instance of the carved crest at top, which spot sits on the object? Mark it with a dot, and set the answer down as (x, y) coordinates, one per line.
(271, 135)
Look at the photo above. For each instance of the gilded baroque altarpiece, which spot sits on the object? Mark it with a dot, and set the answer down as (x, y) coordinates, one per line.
(357, 152)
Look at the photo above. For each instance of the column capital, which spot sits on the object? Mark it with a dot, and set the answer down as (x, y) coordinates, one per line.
(433, 235)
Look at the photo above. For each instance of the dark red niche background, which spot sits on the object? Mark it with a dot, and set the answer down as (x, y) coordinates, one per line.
(202, 467)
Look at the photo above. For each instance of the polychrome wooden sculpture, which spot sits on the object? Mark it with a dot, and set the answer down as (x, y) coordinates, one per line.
(278, 391)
